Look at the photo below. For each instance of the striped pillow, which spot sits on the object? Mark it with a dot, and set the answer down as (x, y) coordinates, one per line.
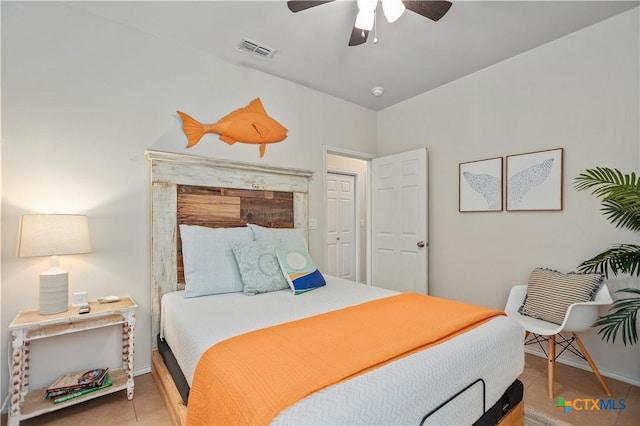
(549, 293)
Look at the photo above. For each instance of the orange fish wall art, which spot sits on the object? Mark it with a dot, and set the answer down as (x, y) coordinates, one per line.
(250, 124)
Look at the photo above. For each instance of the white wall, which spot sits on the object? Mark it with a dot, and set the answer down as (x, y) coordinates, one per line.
(580, 93)
(82, 99)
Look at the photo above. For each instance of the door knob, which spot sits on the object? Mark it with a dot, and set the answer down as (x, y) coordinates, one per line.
(420, 244)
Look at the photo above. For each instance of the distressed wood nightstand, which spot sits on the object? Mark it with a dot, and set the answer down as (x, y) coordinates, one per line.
(30, 325)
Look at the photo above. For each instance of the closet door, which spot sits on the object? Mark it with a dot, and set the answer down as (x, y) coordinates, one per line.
(341, 243)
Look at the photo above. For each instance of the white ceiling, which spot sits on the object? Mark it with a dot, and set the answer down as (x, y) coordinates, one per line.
(413, 55)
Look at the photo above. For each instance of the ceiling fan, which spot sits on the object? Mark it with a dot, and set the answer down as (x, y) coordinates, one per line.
(392, 9)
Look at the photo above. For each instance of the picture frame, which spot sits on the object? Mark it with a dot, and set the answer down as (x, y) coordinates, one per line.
(480, 185)
(534, 181)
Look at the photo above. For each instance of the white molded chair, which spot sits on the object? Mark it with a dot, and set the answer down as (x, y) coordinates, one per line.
(579, 317)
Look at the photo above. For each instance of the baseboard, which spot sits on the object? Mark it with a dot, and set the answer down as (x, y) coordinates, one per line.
(585, 366)
(141, 371)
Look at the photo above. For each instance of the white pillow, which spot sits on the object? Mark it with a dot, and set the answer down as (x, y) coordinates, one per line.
(209, 264)
(289, 238)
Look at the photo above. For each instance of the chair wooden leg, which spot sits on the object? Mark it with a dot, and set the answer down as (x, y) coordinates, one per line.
(551, 362)
(592, 364)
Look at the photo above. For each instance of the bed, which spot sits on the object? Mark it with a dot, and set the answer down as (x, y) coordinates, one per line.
(470, 378)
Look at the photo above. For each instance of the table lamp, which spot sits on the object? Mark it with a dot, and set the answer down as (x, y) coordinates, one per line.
(53, 235)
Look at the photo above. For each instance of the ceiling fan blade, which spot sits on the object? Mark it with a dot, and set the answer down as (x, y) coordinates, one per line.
(433, 10)
(297, 6)
(358, 36)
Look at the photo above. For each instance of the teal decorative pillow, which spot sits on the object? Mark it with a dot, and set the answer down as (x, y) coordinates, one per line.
(550, 293)
(259, 268)
(299, 270)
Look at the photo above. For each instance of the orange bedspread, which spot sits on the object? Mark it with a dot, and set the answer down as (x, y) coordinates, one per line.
(249, 379)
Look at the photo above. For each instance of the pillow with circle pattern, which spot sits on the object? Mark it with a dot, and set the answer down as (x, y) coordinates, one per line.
(259, 268)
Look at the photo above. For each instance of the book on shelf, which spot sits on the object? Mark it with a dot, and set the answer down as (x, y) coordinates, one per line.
(105, 384)
(77, 381)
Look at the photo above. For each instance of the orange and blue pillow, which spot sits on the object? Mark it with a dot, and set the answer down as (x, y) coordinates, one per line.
(299, 270)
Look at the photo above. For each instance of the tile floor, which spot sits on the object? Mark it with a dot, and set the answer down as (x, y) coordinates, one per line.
(147, 407)
(573, 383)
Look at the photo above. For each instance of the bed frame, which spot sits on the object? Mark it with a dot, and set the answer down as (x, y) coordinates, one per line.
(218, 193)
(214, 193)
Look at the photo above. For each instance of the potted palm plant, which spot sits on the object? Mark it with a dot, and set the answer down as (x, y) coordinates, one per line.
(620, 195)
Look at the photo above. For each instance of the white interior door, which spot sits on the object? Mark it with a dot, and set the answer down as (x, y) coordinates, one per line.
(399, 244)
(341, 241)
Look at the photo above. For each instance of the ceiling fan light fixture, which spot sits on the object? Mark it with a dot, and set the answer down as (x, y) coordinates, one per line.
(367, 5)
(393, 9)
(365, 19)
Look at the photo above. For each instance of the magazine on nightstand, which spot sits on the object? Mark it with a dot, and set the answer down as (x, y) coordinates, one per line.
(77, 381)
(105, 384)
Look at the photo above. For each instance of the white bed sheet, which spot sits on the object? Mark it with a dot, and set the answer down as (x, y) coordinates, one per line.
(422, 381)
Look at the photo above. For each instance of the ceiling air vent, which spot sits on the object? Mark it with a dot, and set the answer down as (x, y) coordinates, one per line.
(256, 49)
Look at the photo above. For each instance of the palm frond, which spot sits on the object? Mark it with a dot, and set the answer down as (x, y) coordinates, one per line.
(619, 259)
(622, 320)
(606, 180)
(620, 194)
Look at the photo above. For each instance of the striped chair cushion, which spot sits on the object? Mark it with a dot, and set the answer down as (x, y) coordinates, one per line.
(549, 293)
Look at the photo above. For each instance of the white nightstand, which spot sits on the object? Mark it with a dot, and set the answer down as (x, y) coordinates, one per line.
(30, 325)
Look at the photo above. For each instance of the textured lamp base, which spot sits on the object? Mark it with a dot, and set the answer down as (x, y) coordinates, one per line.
(54, 293)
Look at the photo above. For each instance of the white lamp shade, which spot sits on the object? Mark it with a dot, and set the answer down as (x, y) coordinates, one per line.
(53, 235)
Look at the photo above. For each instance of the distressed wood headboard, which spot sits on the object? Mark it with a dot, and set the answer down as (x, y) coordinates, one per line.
(215, 193)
